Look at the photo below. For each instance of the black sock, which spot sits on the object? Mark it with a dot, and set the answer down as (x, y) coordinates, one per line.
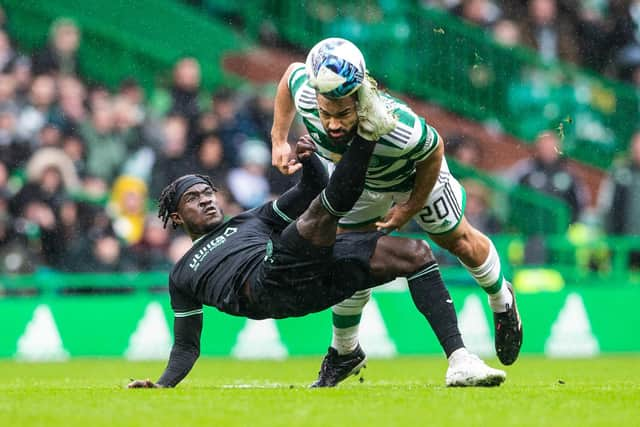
(297, 199)
(347, 181)
(434, 301)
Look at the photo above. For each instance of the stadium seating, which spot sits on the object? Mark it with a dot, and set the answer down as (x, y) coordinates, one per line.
(121, 41)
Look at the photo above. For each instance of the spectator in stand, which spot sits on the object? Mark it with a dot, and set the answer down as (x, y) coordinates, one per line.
(550, 34)
(464, 149)
(229, 128)
(483, 13)
(7, 54)
(127, 208)
(7, 231)
(97, 250)
(147, 125)
(4, 177)
(14, 255)
(207, 123)
(248, 184)
(107, 255)
(131, 90)
(36, 205)
(257, 113)
(593, 31)
(184, 94)
(507, 33)
(8, 91)
(172, 162)
(72, 97)
(49, 135)
(60, 55)
(547, 171)
(69, 233)
(51, 175)
(42, 98)
(151, 252)
(74, 147)
(479, 210)
(623, 43)
(619, 197)
(22, 75)
(12, 152)
(210, 159)
(127, 123)
(98, 95)
(186, 89)
(106, 149)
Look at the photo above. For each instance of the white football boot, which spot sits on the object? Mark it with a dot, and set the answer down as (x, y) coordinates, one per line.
(374, 117)
(468, 370)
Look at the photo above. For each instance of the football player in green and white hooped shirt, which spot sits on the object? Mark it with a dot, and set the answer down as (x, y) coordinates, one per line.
(407, 178)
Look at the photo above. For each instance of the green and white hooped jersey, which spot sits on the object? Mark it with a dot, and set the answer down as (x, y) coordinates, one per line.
(392, 164)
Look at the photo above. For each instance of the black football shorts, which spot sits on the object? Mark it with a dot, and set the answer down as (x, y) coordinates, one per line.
(297, 278)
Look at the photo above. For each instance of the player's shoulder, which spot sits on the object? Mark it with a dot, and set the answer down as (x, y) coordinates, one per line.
(297, 76)
(410, 127)
(406, 115)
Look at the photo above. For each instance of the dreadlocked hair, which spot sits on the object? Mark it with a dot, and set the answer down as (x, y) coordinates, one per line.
(166, 201)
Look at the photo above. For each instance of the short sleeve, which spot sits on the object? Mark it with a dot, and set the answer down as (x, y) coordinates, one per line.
(183, 305)
(426, 144)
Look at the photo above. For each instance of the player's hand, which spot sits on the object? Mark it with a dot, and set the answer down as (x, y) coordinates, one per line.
(305, 147)
(397, 217)
(143, 384)
(281, 159)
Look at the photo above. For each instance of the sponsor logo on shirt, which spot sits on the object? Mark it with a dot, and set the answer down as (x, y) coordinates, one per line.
(212, 244)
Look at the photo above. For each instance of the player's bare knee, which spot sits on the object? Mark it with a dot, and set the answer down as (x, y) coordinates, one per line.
(415, 255)
(422, 253)
(396, 256)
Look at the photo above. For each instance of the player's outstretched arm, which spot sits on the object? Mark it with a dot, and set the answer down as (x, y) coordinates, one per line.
(427, 172)
(284, 111)
(184, 353)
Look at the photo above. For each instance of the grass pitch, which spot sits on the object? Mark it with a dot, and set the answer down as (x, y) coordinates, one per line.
(404, 392)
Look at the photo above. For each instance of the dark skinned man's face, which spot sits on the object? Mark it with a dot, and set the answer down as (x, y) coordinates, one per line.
(198, 210)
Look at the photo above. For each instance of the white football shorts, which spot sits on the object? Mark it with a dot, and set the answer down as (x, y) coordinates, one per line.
(441, 214)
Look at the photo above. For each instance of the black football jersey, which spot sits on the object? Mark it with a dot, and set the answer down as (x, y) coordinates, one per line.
(220, 262)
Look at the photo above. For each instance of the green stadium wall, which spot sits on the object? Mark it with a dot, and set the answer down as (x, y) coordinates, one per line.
(577, 321)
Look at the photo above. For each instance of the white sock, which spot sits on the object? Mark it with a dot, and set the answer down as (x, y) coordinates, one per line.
(500, 300)
(346, 321)
(345, 340)
(489, 276)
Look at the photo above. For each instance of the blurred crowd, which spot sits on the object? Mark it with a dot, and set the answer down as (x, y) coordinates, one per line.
(603, 35)
(81, 165)
(615, 212)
